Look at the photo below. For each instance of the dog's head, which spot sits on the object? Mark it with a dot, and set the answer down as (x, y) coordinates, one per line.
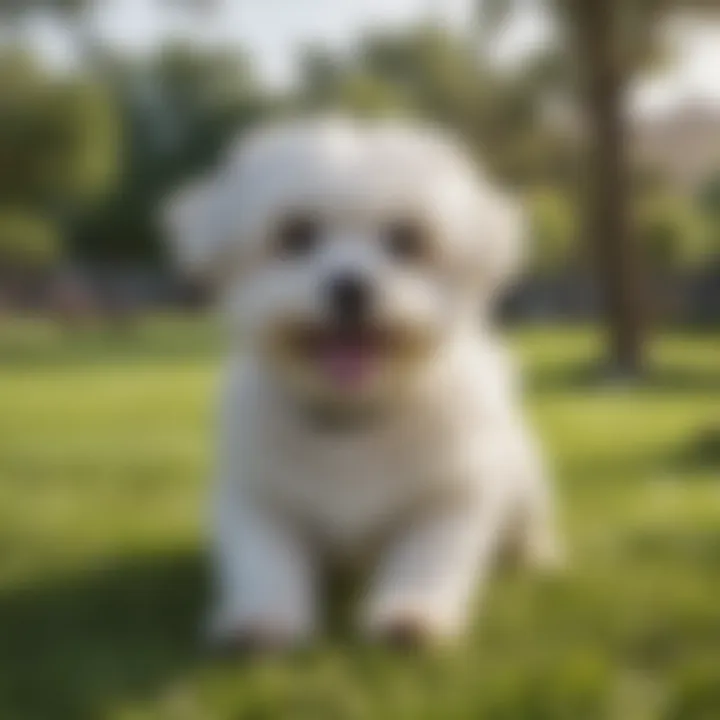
(346, 253)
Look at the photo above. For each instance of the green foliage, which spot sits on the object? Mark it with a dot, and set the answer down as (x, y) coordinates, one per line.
(26, 240)
(435, 75)
(178, 110)
(709, 195)
(58, 137)
(674, 231)
(58, 155)
(554, 229)
(709, 200)
(425, 70)
(367, 95)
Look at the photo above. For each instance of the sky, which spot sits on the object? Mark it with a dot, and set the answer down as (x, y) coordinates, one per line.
(272, 30)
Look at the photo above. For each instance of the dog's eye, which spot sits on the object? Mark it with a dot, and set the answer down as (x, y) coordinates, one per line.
(297, 236)
(406, 240)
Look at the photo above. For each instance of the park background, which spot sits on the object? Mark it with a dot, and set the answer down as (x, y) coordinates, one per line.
(602, 115)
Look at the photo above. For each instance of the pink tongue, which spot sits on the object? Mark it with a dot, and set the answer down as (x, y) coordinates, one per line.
(346, 364)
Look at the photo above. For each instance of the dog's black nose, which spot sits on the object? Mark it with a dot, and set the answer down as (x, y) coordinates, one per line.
(349, 298)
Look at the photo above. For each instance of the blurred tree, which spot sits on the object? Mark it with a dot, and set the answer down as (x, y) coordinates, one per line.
(675, 238)
(27, 241)
(57, 141)
(56, 136)
(709, 200)
(595, 27)
(674, 232)
(609, 41)
(178, 110)
(172, 114)
(554, 231)
(422, 72)
(433, 74)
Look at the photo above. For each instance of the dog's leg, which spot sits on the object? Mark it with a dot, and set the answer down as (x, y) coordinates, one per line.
(536, 531)
(537, 535)
(266, 580)
(426, 581)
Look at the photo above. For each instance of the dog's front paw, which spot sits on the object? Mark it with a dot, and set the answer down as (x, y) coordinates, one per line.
(251, 637)
(409, 628)
(252, 641)
(407, 633)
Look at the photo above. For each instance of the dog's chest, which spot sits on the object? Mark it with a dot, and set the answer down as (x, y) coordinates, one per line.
(349, 489)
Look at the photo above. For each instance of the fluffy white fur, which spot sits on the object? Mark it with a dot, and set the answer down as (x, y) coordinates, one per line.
(439, 470)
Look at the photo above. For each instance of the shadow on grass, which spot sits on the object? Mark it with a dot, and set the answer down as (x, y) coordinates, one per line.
(697, 457)
(701, 452)
(591, 377)
(676, 379)
(74, 646)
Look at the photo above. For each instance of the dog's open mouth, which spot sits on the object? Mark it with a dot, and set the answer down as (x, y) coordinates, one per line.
(348, 357)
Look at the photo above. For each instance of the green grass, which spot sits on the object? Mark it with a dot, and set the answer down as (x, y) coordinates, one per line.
(104, 453)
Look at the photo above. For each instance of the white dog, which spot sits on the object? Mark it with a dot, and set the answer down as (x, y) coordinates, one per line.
(368, 410)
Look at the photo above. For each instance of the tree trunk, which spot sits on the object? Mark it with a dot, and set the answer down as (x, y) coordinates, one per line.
(614, 251)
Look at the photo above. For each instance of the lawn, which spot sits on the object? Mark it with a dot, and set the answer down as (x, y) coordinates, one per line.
(104, 453)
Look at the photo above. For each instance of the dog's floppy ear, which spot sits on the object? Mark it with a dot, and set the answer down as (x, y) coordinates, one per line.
(193, 229)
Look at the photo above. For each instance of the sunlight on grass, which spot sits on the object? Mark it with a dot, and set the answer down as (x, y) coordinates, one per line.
(105, 447)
